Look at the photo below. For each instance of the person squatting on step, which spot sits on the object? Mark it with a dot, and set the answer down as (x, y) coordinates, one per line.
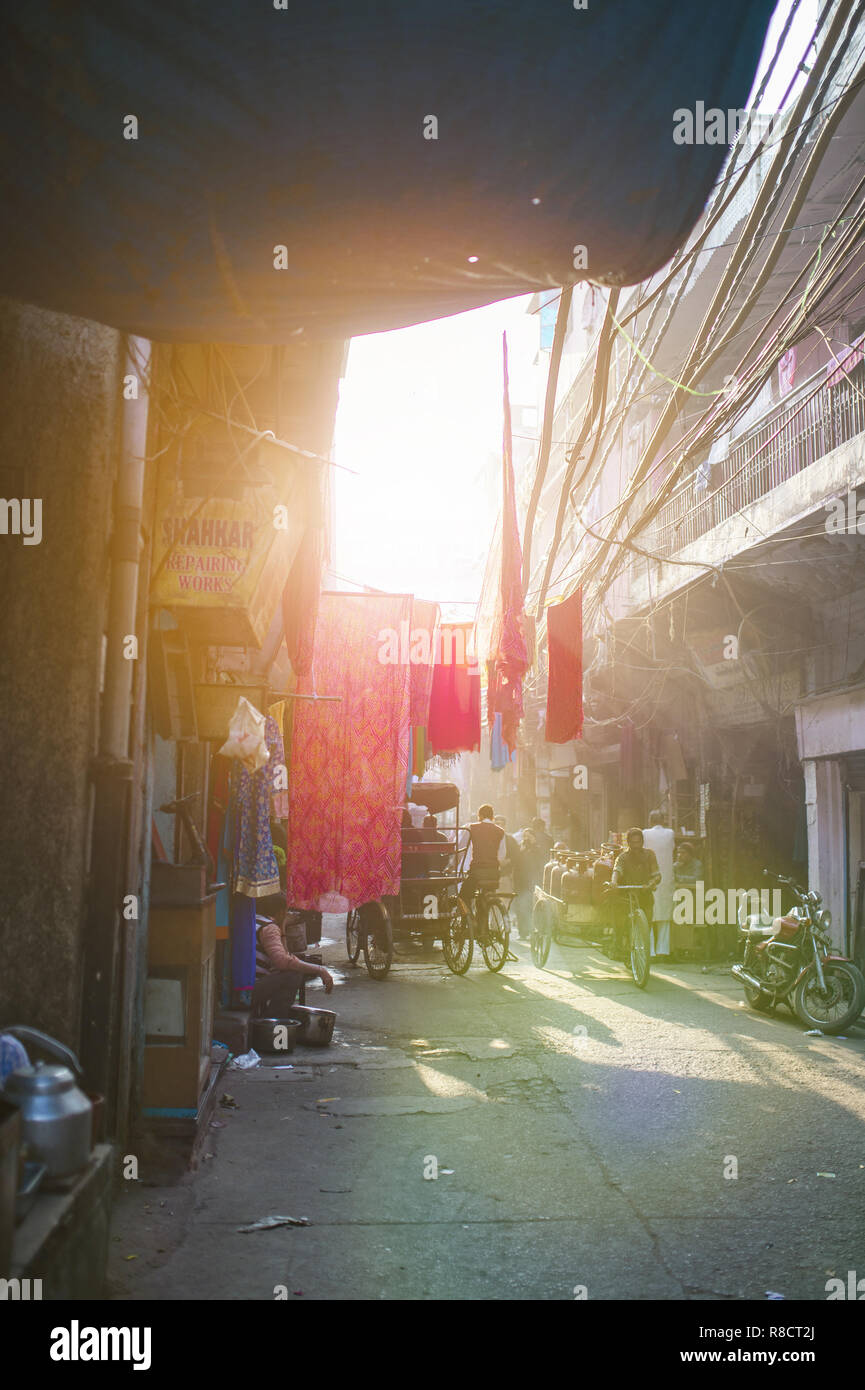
(279, 973)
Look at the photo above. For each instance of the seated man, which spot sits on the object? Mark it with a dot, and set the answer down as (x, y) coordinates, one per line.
(635, 865)
(488, 851)
(436, 863)
(278, 973)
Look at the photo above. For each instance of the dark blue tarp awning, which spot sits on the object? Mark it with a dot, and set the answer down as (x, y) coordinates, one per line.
(304, 127)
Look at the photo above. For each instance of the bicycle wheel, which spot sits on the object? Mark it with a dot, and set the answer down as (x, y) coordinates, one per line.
(457, 941)
(353, 936)
(377, 941)
(495, 947)
(641, 948)
(542, 933)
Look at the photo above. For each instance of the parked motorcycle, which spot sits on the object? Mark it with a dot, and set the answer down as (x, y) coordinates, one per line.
(789, 960)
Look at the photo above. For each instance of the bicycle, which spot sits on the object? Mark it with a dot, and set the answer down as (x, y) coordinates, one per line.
(488, 923)
(638, 935)
(368, 928)
(546, 929)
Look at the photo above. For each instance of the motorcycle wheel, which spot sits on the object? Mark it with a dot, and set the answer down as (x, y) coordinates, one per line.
(758, 999)
(845, 991)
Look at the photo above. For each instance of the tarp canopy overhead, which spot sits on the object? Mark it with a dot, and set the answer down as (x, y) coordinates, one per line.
(303, 127)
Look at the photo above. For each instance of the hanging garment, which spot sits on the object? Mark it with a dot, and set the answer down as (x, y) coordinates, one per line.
(422, 650)
(255, 867)
(455, 701)
(509, 658)
(500, 753)
(565, 669)
(279, 783)
(349, 759)
(419, 748)
(242, 949)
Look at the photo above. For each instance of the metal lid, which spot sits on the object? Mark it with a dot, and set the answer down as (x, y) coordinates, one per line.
(42, 1079)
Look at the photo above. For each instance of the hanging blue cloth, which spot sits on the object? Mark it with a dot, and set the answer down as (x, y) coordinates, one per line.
(242, 949)
(500, 753)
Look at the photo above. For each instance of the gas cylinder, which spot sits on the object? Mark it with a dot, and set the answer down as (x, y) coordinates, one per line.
(560, 852)
(570, 881)
(548, 869)
(602, 872)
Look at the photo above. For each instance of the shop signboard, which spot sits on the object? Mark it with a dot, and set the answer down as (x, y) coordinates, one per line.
(225, 539)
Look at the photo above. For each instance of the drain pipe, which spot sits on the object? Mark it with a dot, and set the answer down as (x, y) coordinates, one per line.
(112, 771)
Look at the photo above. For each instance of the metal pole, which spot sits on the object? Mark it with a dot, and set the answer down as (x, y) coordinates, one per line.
(113, 767)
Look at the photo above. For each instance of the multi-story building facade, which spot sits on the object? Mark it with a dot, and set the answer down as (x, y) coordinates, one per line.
(711, 520)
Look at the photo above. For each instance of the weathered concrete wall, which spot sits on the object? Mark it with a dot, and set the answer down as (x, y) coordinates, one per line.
(59, 395)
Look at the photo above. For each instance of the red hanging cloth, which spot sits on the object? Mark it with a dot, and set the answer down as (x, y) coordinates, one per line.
(455, 702)
(565, 674)
(509, 658)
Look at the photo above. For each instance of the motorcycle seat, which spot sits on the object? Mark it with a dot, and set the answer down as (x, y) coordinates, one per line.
(756, 929)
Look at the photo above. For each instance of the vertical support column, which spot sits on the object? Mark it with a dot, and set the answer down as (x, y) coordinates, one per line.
(827, 838)
(102, 986)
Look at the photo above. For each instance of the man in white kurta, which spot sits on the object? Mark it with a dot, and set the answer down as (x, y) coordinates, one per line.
(661, 840)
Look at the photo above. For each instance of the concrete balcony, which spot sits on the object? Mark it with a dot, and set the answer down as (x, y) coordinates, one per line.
(783, 470)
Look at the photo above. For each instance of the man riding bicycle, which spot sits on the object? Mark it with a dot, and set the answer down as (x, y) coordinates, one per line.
(636, 865)
(487, 852)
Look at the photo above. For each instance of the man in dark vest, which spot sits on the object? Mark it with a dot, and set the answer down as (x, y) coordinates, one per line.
(488, 851)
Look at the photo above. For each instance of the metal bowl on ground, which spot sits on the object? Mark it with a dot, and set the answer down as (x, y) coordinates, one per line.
(316, 1025)
(274, 1034)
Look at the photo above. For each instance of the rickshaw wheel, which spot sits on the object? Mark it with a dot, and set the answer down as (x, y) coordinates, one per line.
(641, 948)
(352, 935)
(457, 941)
(495, 947)
(542, 933)
(377, 941)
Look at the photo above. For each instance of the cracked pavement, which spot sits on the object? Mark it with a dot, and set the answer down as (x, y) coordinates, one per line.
(581, 1131)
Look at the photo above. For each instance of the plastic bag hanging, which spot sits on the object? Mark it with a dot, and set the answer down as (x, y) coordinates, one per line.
(246, 740)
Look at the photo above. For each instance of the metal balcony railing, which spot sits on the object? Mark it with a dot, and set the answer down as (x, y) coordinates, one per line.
(793, 435)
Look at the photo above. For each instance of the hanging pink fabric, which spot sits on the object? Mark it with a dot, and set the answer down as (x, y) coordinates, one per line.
(422, 650)
(508, 659)
(565, 673)
(349, 759)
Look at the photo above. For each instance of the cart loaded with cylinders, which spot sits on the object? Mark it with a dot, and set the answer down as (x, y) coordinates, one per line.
(577, 905)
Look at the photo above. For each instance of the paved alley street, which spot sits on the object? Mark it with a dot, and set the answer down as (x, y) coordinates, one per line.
(585, 1137)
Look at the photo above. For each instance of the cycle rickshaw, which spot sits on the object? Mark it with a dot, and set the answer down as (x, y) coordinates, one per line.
(431, 859)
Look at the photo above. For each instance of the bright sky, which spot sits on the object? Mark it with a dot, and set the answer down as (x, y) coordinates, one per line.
(420, 421)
